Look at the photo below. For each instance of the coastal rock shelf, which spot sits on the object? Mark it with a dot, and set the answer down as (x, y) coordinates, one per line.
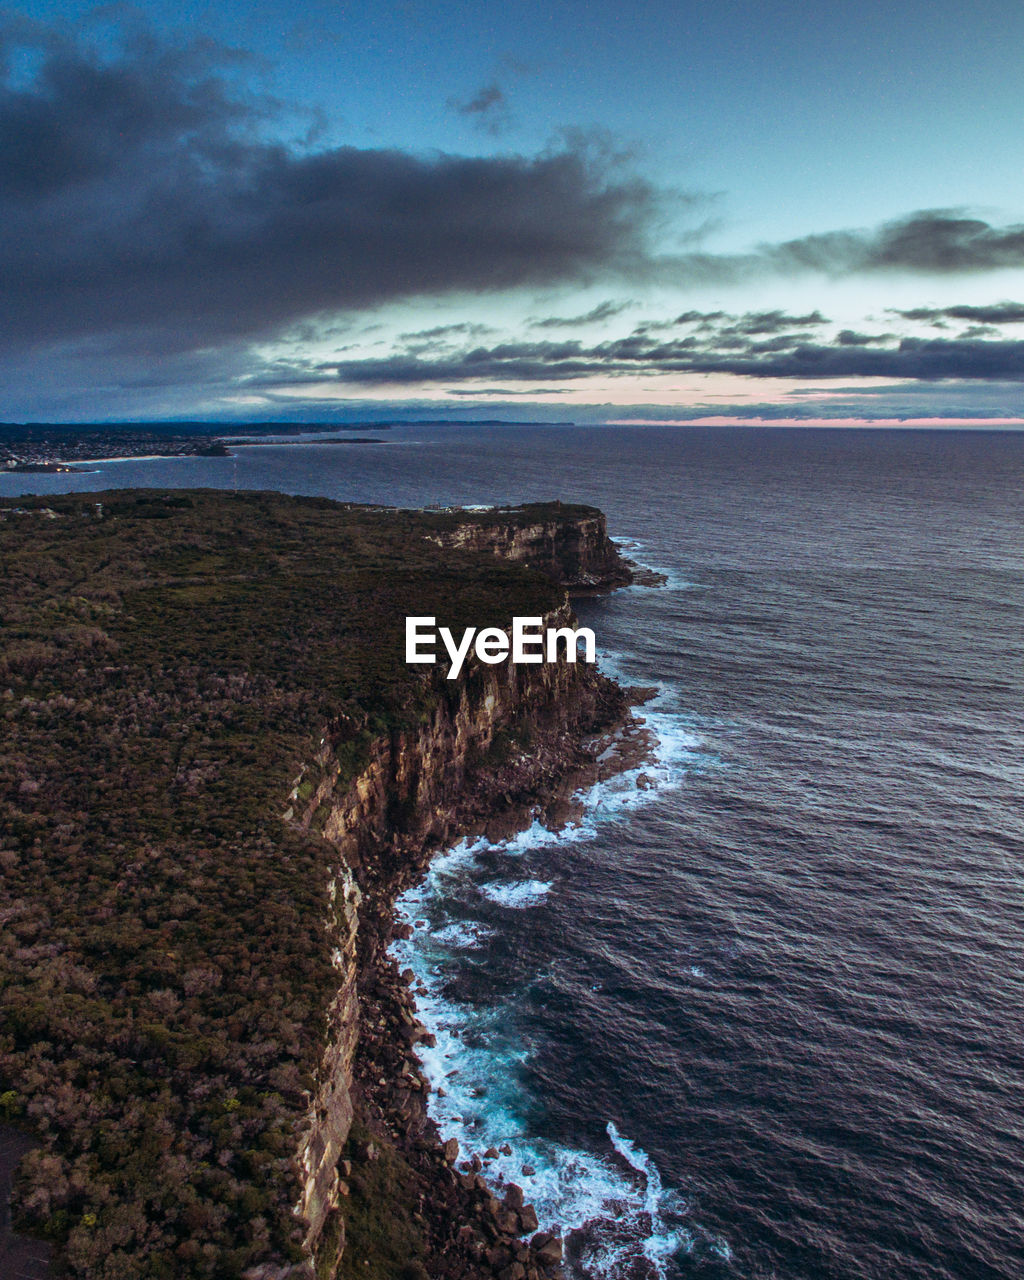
(219, 773)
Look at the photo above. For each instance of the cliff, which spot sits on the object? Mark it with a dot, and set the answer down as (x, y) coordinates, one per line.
(217, 773)
(567, 543)
(505, 743)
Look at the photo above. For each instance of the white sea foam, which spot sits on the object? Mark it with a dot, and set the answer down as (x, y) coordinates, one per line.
(632, 548)
(463, 935)
(538, 836)
(517, 893)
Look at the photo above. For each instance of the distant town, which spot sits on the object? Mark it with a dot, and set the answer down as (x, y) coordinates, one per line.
(35, 447)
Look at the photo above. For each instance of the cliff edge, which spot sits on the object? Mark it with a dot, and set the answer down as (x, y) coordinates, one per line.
(568, 543)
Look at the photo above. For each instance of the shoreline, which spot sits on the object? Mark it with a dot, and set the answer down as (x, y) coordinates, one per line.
(477, 1226)
(594, 1202)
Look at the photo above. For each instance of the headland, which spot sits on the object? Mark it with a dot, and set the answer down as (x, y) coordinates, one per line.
(218, 775)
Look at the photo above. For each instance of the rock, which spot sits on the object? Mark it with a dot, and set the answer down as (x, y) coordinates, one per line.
(550, 1252)
(491, 1153)
(644, 782)
(451, 1150)
(514, 1196)
(508, 1222)
(528, 1170)
(505, 1149)
(514, 1271)
(528, 1219)
(478, 1164)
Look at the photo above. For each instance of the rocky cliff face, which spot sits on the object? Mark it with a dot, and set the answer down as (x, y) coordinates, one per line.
(497, 742)
(569, 544)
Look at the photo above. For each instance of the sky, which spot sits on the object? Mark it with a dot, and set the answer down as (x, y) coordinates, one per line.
(671, 211)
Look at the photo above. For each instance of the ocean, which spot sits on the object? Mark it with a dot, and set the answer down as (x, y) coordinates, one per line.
(762, 1018)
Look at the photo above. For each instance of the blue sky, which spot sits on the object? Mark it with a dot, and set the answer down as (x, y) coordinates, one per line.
(670, 210)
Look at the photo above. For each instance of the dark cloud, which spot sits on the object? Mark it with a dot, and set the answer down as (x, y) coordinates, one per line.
(702, 317)
(772, 321)
(996, 313)
(139, 195)
(487, 108)
(850, 338)
(780, 357)
(464, 329)
(603, 311)
(485, 100)
(932, 242)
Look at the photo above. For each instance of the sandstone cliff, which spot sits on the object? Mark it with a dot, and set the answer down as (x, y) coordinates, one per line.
(567, 543)
(496, 746)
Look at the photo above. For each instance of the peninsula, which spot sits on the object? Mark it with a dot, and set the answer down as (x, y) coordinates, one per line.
(218, 773)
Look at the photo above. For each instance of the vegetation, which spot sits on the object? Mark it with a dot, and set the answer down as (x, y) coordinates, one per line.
(383, 1238)
(167, 663)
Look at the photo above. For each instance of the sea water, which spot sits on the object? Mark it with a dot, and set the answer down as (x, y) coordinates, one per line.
(763, 1018)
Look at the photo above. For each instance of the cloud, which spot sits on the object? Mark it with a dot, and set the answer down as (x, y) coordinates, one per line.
(159, 219)
(464, 329)
(773, 322)
(603, 311)
(145, 201)
(784, 356)
(931, 242)
(850, 338)
(488, 109)
(483, 101)
(995, 313)
(504, 391)
(702, 317)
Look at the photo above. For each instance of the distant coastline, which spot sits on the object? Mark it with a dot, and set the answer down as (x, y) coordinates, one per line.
(48, 447)
(39, 447)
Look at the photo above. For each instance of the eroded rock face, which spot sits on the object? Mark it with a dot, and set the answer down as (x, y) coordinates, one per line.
(330, 1117)
(577, 553)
